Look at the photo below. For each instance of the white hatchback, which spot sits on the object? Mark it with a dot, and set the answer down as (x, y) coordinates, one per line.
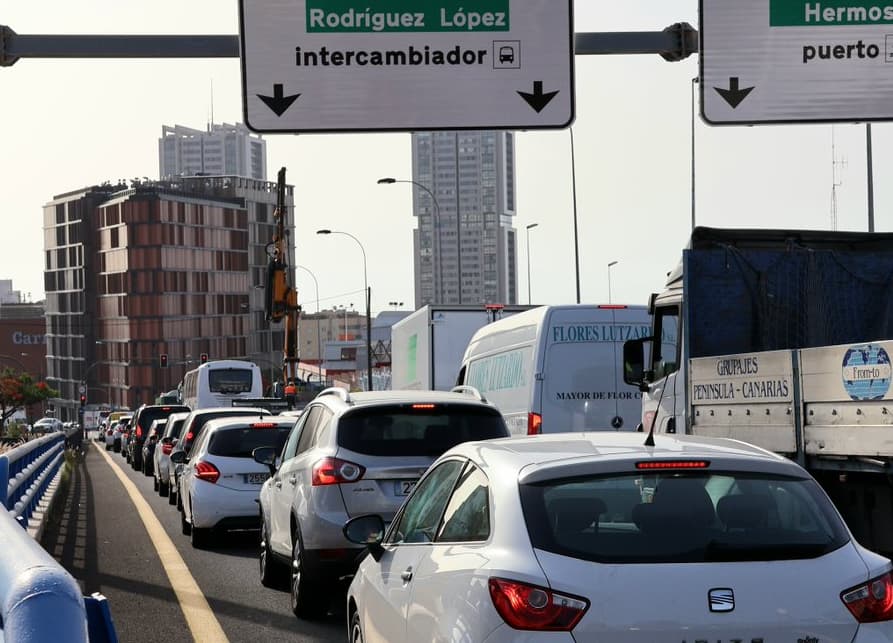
(221, 480)
(597, 537)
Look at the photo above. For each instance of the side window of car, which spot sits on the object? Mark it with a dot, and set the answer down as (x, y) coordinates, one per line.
(421, 514)
(305, 441)
(320, 433)
(467, 515)
(291, 445)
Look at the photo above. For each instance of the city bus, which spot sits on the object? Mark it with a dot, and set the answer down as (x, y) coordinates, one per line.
(219, 382)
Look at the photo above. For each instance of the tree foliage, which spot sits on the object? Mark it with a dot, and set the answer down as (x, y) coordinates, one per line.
(18, 390)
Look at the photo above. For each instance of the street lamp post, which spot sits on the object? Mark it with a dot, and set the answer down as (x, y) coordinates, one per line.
(529, 226)
(368, 304)
(435, 232)
(576, 240)
(610, 263)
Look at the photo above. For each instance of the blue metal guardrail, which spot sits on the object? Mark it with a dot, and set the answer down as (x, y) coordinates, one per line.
(39, 600)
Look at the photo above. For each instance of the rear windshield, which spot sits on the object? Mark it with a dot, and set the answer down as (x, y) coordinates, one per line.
(199, 421)
(417, 431)
(230, 380)
(149, 415)
(673, 518)
(240, 442)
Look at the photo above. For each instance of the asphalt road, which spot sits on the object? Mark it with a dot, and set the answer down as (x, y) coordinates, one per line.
(100, 539)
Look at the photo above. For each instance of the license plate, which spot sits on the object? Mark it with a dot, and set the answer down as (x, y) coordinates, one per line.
(256, 478)
(404, 487)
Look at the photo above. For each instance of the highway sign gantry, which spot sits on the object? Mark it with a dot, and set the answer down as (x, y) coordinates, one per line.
(796, 61)
(403, 65)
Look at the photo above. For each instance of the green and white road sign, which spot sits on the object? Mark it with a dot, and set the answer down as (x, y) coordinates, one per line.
(401, 65)
(790, 61)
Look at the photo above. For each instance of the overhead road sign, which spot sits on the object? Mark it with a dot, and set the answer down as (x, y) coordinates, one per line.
(796, 61)
(403, 65)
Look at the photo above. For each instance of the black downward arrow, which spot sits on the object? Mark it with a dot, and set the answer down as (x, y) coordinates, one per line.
(277, 102)
(733, 95)
(538, 100)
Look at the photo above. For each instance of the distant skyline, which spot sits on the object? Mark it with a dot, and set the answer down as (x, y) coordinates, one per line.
(74, 123)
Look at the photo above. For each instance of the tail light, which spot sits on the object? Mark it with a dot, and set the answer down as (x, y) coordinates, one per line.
(109, 432)
(167, 448)
(139, 432)
(528, 607)
(334, 471)
(534, 424)
(206, 471)
(873, 601)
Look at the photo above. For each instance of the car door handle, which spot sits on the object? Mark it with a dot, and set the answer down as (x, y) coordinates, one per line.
(406, 575)
(293, 480)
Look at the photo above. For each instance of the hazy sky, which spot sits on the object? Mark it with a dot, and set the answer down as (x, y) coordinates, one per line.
(68, 124)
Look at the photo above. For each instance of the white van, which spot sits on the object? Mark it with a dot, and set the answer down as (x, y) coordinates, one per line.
(558, 368)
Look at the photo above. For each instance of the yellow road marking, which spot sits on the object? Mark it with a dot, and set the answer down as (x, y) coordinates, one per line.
(199, 617)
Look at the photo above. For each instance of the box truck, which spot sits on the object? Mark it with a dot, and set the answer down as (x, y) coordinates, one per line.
(785, 343)
(427, 346)
(557, 368)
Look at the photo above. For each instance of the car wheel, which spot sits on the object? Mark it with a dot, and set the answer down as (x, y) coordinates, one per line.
(272, 572)
(356, 629)
(163, 489)
(179, 500)
(171, 495)
(308, 600)
(200, 537)
(185, 527)
(154, 483)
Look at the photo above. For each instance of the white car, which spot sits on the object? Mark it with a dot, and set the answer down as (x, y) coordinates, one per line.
(597, 537)
(161, 457)
(220, 481)
(47, 425)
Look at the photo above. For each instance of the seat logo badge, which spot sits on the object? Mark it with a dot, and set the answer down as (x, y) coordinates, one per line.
(721, 599)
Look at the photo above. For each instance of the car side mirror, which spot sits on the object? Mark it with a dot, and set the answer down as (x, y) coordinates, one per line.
(366, 530)
(266, 456)
(178, 457)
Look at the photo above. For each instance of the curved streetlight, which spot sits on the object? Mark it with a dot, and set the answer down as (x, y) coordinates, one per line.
(368, 304)
(16, 361)
(529, 226)
(610, 263)
(435, 232)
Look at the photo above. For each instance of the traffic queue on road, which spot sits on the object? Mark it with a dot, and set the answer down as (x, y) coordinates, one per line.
(422, 513)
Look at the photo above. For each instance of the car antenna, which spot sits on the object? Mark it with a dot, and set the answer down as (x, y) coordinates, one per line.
(649, 441)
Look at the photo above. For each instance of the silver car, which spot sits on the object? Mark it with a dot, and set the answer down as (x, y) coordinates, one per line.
(352, 454)
(162, 456)
(598, 537)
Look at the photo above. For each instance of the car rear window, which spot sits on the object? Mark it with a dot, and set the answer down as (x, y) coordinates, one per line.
(202, 419)
(417, 429)
(668, 517)
(240, 442)
(230, 380)
(149, 415)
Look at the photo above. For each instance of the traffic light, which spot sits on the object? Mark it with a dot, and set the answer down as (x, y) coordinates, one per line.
(83, 401)
(163, 360)
(204, 358)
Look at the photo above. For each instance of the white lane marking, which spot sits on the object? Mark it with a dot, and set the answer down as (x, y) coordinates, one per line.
(199, 617)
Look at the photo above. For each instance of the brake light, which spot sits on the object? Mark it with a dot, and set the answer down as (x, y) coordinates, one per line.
(534, 424)
(263, 425)
(109, 432)
(206, 471)
(419, 407)
(528, 607)
(139, 432)
(335, 471)
(871, 602)
(189, 436)
(167, 448)
(674, 464)
(611, 306)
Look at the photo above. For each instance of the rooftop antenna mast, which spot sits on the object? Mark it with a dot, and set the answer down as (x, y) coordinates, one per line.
(835, 178)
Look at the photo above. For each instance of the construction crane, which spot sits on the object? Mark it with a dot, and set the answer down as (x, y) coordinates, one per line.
(281, 300)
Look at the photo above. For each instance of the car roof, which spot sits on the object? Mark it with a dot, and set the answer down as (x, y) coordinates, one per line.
(218, 424)
(239, 410)
(542, 457)
(371, 398)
